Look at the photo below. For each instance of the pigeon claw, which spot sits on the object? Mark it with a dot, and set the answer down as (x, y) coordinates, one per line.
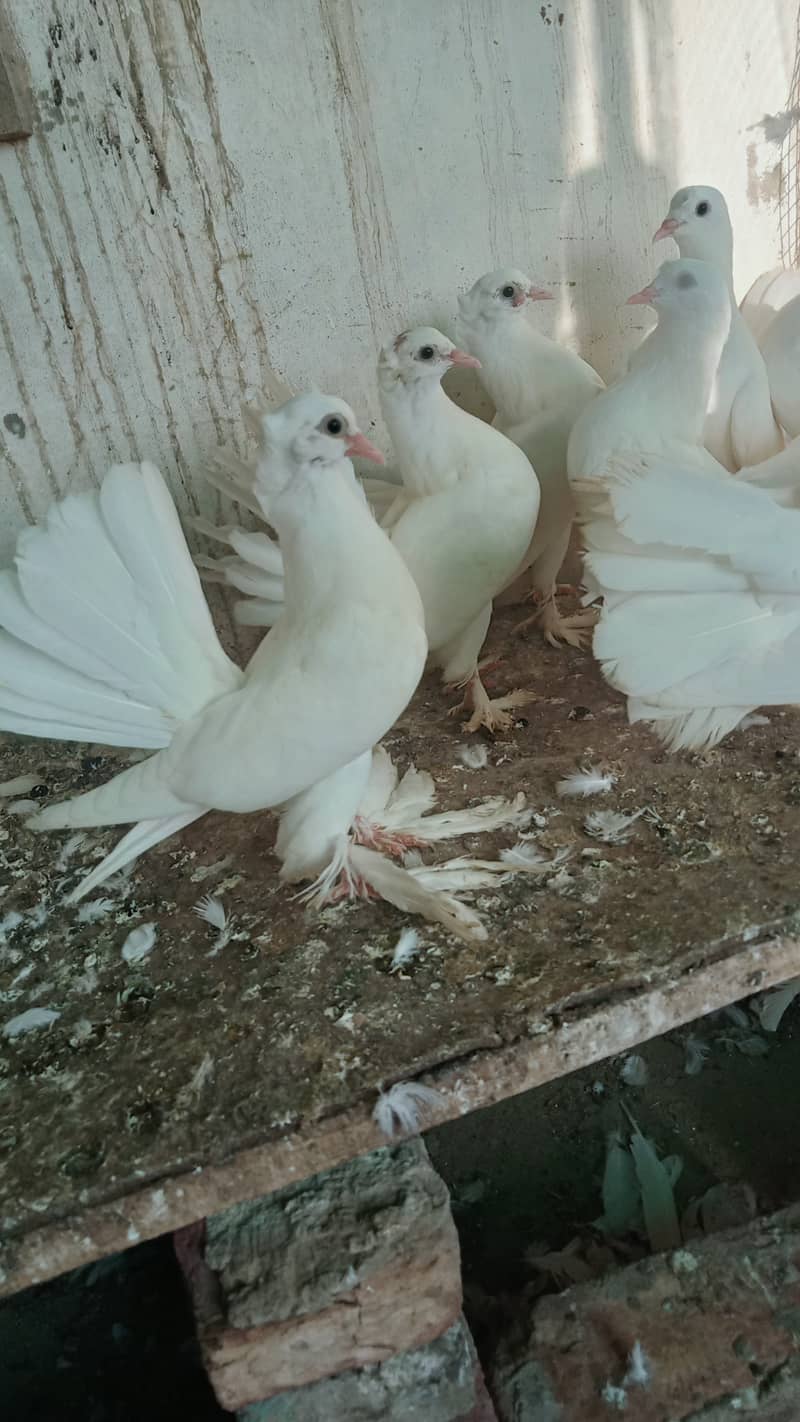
(556, 629)
(493, 715)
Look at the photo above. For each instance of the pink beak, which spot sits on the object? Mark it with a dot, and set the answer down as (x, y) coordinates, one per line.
(538, 293)
(457, 357)
(645, 297)
(359, 444)
(668, 226)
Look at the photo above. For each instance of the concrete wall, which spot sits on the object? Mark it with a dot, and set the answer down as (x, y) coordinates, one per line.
(228, 196)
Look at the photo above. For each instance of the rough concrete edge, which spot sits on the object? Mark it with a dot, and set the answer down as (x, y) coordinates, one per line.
(479, 1080)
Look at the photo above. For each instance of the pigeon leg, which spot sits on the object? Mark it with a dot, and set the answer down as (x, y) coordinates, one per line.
(556, 629)
(493, 714)
(386, 841)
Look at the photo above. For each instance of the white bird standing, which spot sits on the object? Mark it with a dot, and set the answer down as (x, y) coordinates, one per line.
(538, 388)
(700, 573)
(107, 637)
(740, 426)
(466, 515)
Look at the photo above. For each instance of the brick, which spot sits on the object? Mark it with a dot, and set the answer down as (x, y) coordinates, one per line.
(441, 1382)
(719, 1322)
(339, 1273)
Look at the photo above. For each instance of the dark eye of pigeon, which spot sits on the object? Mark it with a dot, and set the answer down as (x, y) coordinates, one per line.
(334, 425)
(508, 291)
(685, 280)
(702, 208)
(426, 352)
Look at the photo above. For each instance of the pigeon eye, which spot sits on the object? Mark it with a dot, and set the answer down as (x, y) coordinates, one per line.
(334, 425)
(507, 292)
(426, 352)
(702, 208)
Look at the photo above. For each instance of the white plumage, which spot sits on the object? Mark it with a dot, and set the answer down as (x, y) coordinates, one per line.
(740, 427)
(700, 573)
(472, 502)
(538, 388)
(108, 638)
(780, 347)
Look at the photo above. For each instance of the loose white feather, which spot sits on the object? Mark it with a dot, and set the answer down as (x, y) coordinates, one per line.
(590, 780)
(406, 948)
(30, 1021)
(403, 1106)
(139, 943)
(473, 757)
(611, 826)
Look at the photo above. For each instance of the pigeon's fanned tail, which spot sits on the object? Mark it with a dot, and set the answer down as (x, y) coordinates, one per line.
(701, 622)
(135, 842)
(106, 633)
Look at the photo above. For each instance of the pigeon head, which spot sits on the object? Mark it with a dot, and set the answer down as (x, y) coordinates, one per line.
(310, 430)
(699, 222)
(420, 355)
(687, 289)
(499, 295)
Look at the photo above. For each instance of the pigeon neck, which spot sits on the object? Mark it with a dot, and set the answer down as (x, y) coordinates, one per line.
(676, 366)
(320, 519)
(716, 249)
(514, 358)
(416, 416)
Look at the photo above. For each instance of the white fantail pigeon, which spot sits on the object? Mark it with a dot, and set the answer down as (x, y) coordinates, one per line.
(538, 388)
(700, 574)
(740, 425)
(780, 347)
(467, 515)
(107, 638)
(768, 295)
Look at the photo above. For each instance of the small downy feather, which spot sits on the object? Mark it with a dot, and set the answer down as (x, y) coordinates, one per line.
(139, 942)
(697, 1053)
(473, 757)
(611, 826)
(589, 780)
(634, 1071)
(639, 1372)
(402, 1107)
(406, 948)
(212, 911)
(30, 1021)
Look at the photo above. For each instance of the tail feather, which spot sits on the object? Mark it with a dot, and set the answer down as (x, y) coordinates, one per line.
(256, 612)
(143, 836)
(107, 635)
(242, 576)
(697, 730)
(137, 793)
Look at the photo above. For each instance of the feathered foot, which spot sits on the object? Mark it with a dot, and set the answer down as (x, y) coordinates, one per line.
(493, 714)
(557, 629)
(348, 886)
(392, 842)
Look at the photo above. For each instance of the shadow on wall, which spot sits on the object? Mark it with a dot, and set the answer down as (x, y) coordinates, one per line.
(620, 120)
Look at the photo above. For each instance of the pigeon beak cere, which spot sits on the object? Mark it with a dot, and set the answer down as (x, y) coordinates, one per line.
(538, 293)
(457, 357)
(360, 445)
(668, 226)
(645, 297)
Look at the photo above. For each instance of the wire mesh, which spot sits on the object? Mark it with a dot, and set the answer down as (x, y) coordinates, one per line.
(789, 204)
